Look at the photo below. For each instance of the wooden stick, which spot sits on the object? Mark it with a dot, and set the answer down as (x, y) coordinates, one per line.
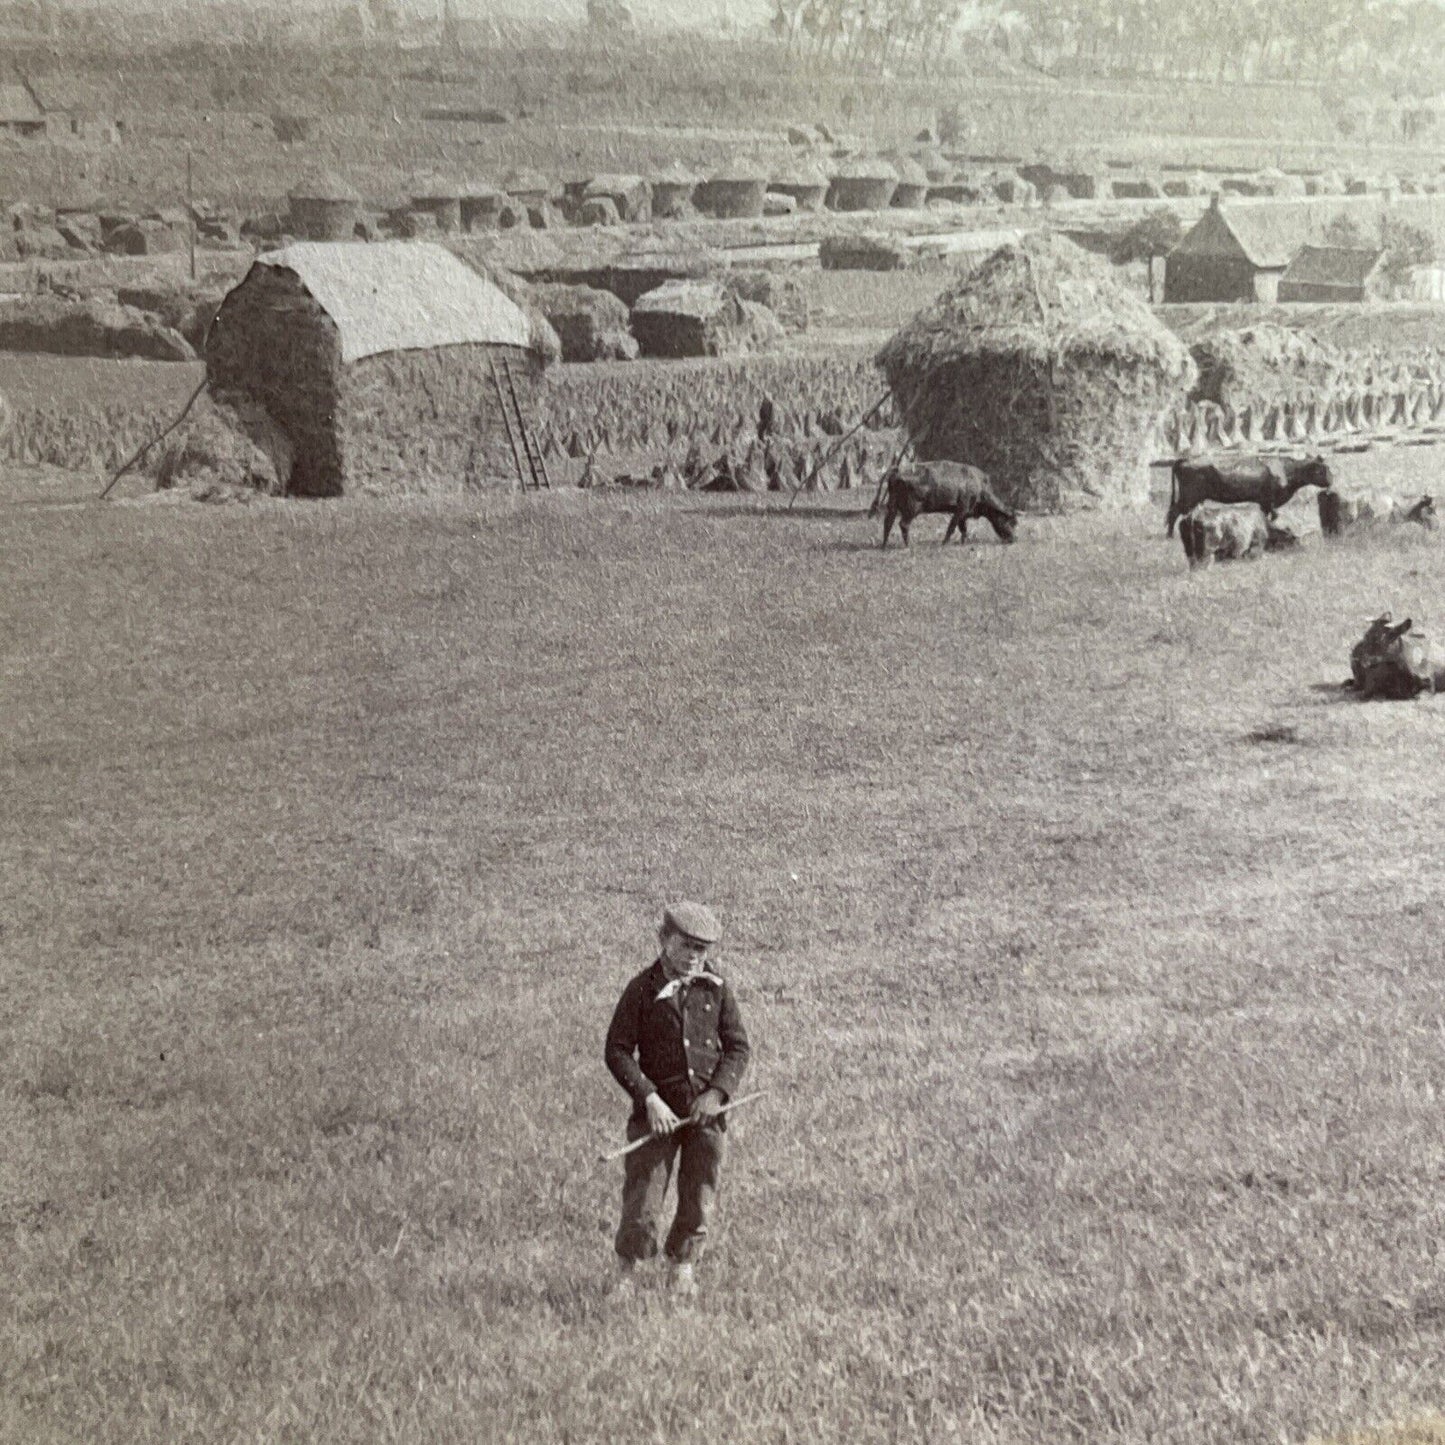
(612, 1154)
(832, 450)
(148, 445)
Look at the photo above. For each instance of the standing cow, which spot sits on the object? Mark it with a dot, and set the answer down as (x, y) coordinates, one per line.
(1268, 482)
(960, 491)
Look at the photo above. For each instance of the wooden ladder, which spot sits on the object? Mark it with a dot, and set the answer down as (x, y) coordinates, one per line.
(525, 451)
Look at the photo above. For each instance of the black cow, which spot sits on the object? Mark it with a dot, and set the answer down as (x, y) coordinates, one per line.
(1269, 482)
(1393, 661)
(961, 491)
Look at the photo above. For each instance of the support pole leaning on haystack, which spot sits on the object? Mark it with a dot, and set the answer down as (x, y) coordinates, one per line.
(832, 450)
(145, 447)
(883, 480)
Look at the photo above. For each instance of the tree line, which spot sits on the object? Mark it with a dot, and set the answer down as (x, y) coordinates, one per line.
(1397, 45)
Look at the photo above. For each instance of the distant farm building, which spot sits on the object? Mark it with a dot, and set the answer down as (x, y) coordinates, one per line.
(1237, 253)
(1334, 273)
(21, 114)
(377, 361)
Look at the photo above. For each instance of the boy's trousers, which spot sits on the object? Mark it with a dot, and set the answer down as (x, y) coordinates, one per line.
(697, 1152)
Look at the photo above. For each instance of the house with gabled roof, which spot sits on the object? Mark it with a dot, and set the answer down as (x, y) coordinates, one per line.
(1237, 252)
(1334, 273)
(21, 113)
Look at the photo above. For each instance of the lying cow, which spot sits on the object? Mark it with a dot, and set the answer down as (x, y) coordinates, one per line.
(1268, 482)
(963, 492)
(1231, 532)
(1338, 512)
(1393, 661)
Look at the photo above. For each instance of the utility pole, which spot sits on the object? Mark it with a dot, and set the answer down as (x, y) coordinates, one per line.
(191, 214)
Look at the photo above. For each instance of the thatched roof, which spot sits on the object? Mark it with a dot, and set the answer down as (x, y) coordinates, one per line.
(476, 190)
(865, 168)
(323, 186)
(740, 168)
(430, 186)
(799, 172)
(1346, 266)
(676, 174)
(19, 106)
(908, 170)
(1043, 298)
(1266, 233)
(403, 296)
(524, 182)
(700, 300)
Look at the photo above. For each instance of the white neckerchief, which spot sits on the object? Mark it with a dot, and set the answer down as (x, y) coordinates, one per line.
(673, 985)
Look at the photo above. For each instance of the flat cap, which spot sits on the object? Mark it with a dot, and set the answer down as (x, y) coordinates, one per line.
(694, 919)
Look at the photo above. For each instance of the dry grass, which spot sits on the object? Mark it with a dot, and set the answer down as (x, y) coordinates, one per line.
(1104, 1038)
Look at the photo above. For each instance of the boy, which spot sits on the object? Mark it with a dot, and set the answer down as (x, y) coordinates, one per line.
(676, 1043)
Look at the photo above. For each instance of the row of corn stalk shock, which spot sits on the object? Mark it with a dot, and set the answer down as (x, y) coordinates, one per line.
(1206, 426)
(771, 464)
(91, 439)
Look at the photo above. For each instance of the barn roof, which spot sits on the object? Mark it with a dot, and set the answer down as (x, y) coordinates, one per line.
(401, 296)
(1267, 233)
(1345, 266)
(18, 105)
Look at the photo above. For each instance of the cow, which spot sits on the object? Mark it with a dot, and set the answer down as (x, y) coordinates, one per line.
(961, 491)
(1269, 482)
(1393, 661)
(1231, 531)
(1338, 512)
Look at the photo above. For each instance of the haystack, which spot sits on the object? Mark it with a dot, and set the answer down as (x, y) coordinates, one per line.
(862, 184)
(1264, 363)
(376, 360)
(1045, 371)
(912, 188)
(480, 205)
(591, 324)
(324, 208)
(701, 318)
(630, 194)
(805, 181)
(672, 192)
(441, 197)
(229, 441)
(736, 191)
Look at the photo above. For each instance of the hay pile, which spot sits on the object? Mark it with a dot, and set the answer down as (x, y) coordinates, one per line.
(229, 445)
(1041, 368)
(591, 324)
(1264, 363)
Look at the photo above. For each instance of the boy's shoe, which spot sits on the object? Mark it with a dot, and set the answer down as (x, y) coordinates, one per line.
(682, 1281)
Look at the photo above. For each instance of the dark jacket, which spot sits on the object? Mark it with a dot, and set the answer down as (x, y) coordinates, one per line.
(679, 1046)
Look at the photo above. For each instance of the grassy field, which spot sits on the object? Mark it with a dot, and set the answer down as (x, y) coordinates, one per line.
(1088, 936)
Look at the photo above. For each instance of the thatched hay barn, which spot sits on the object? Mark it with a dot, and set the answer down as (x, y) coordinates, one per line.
(1045, 371)
(324, 207)
(376, 361)
(862, 184)
(736, 191)
(440, 197)
(805, 181)
(912, 188)
(480, 205)
(630, 194)
(672, 192)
